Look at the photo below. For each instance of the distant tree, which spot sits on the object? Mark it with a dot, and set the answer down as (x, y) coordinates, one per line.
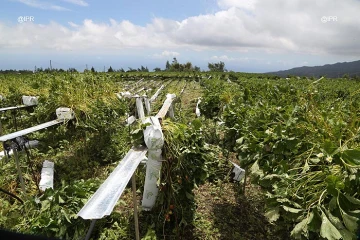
(197, 69)
(217, 67)
(157, 69)
(168, 66)
(110, 69)
(72, 70)
(131, 70)
(93, 69)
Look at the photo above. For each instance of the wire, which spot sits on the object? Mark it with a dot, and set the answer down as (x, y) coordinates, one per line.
(12, 195)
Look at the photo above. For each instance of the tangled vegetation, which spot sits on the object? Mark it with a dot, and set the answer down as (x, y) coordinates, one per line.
(299, 139)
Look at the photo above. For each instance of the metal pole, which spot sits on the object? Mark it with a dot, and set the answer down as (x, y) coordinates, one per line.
(19, 170)
(92, 225)
(14, 118)
(133, 180)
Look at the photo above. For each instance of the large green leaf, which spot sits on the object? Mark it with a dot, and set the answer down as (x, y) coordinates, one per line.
(351, 156)
(272, 214)
(292, 210)
(300, 229)
(328, 230)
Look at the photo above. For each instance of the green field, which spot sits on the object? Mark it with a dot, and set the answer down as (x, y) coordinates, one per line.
(298, 139)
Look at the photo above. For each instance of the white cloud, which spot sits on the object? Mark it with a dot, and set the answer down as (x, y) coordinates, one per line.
(42, 5)
(279, 26)
(166, 54)
(244, 4)
(225, 58)
(73, 24)
(77, 2)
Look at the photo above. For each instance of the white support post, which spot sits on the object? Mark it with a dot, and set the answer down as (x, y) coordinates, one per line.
(147, 105)
(154, 140)
(140, 108)
(197, 111)
(171, 111)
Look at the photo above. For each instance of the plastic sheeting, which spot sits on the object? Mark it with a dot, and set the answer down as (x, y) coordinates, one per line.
(47, 176)
(154, 140)
(103, 201)
(239, 172)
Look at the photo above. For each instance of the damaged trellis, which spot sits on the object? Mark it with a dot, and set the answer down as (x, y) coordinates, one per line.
(28, 101)
(141, 101)
(18, 143)
(104, 199)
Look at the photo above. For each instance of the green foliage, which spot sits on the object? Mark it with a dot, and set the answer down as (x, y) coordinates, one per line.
(301, 143)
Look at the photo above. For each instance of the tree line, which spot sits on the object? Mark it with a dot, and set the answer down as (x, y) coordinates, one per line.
(174, 66)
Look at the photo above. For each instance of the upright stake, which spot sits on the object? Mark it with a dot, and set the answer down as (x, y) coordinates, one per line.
(19, 170)
(133, 181)
(92, 225)
(245, 180)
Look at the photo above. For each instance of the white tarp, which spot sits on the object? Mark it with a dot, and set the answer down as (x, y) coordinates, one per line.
(104, 199)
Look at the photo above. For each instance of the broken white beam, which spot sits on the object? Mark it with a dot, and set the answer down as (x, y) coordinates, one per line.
(104, 199)
(47, 176)
(139, 90)
(29, 130)
(62, 115)
(13, 108)
(153, 98)
(166, 106)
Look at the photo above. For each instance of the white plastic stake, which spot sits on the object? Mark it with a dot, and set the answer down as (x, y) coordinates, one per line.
(140, 108)
(147, 105)
(197, 111)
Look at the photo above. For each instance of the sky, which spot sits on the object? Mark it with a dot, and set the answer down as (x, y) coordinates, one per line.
(247, 35)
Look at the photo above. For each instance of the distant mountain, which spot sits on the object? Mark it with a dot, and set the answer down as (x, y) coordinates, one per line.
(329, 70)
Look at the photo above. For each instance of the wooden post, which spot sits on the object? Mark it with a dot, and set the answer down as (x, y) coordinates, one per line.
(133, 181)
